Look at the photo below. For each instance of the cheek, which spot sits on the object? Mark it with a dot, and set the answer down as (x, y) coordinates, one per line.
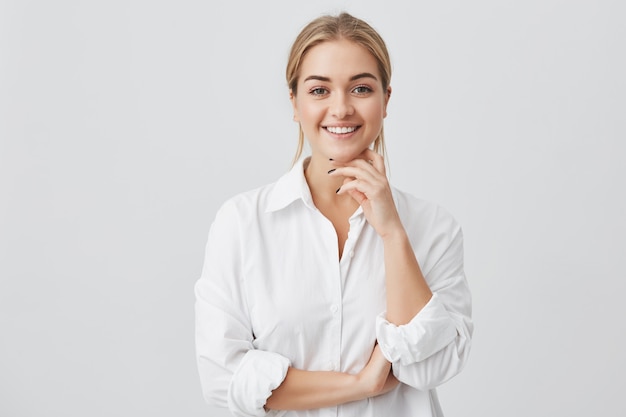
(374, 112)
(308, 113)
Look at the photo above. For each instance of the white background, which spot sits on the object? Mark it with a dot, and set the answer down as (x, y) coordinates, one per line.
(125, 124)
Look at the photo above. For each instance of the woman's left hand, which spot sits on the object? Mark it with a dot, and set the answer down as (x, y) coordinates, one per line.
(366, 182)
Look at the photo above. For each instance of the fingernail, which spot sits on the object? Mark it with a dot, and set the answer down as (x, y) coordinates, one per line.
(332, 170)
(338, 190)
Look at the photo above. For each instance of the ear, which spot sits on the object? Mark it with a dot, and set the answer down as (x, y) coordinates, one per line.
(387, 97)
(292, 97)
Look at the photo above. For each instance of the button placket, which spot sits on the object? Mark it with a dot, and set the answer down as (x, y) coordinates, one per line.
(335, 273)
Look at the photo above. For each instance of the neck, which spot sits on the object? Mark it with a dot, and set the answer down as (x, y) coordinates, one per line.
(323, 186)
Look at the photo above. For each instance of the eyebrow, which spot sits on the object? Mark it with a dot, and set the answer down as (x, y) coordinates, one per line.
(353, 78)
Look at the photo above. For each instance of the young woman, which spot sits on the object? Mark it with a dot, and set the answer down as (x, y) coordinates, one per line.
(329, 292)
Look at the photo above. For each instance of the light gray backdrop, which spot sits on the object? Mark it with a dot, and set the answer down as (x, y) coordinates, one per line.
(125, 124)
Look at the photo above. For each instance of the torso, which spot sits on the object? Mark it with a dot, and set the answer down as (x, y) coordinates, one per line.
(336, 208)
(338, 216)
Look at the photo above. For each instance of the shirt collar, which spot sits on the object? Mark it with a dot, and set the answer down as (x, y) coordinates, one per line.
(293, 186)
(290, 187)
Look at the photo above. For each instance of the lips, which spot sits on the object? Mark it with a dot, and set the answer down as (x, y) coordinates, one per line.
(341, 130)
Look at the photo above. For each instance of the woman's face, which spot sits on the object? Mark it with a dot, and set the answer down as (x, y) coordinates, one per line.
(340, 101)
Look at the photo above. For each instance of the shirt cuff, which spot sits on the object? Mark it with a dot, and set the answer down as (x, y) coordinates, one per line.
(258, 374)
(428, 332)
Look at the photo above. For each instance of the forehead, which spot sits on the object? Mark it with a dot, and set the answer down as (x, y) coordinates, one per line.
(338, 60)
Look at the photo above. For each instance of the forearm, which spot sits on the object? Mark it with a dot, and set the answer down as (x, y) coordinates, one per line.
(303, 390)
(407, 290)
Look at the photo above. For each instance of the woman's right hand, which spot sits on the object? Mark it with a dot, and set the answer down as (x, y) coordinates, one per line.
(377, 378)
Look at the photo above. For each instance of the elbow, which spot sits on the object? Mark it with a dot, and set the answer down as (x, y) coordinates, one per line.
(214, 397)
(245, 389)
(214, 384)
(436, 369)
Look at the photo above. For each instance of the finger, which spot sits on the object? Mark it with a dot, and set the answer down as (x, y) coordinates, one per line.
(357, 173)
(367, 166)
(356, 185)
(377, 160)
(376, 166)
(358, 197)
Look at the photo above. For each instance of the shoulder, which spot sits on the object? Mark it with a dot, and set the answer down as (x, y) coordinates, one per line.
(246, 205)
(435, 235)
(259, 203)
(236, 218)
(417, 212)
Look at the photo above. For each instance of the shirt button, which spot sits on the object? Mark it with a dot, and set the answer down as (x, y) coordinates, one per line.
(333, 308)
(352, 254)
(331, 365)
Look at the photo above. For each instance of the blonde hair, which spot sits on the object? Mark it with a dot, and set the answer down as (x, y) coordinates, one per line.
(332, 28)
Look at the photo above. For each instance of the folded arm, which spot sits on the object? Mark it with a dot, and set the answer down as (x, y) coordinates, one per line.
(249, 381)
(426, 332)
(311, 389)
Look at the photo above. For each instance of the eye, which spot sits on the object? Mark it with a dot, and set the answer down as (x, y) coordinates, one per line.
(362, 90)
(318, 91)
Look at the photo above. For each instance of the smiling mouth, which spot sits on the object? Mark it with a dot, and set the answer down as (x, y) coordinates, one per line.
(341, 130)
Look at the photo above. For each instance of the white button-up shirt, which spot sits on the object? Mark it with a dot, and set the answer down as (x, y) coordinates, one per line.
(273, 294)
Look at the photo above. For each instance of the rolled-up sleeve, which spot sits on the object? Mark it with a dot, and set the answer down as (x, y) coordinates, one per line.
(427, 333)
(232, 373)
(258, 374)
(435, 344)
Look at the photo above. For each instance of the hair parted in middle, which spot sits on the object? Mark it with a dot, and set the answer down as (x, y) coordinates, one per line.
(332, 28)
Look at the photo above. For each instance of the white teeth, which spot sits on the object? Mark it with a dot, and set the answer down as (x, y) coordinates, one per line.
(338, 130)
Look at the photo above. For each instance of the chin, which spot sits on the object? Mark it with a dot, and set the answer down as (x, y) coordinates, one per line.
(346, 155)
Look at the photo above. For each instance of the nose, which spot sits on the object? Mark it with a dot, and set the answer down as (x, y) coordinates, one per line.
(341, 106)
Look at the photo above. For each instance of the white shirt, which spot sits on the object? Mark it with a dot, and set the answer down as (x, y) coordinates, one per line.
(273, 294)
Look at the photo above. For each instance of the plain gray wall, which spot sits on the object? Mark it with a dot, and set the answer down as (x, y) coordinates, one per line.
(125, 124)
